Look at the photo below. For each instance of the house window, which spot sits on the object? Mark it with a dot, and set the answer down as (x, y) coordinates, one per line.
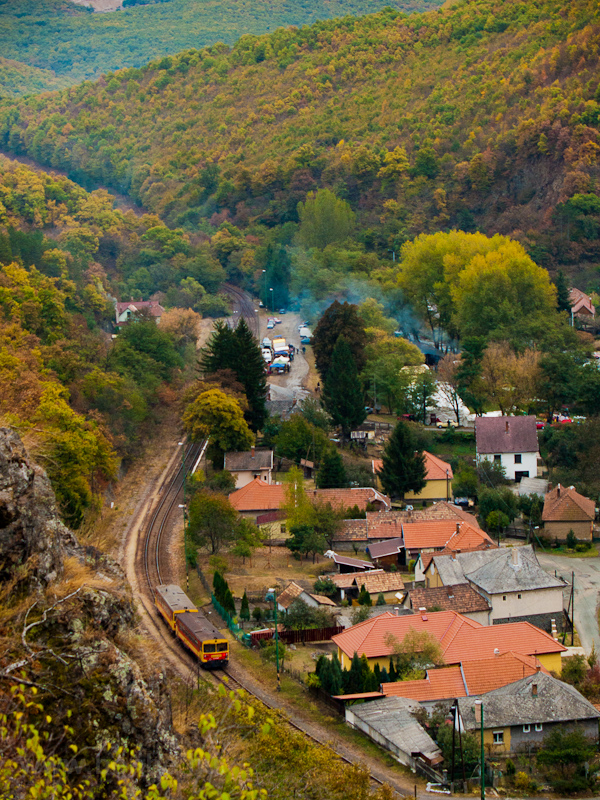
(526, 728)
(504, 597)
(518, 458)
(538, 726)
(519, 596)
(498, 737)
(283, 528)
(497, 458)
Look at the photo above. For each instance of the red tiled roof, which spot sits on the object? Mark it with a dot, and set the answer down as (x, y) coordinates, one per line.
(348, 498)
(506, 435)
(579, 300)
(153, 306)
(478, 677)
(440, 533)
(460, 638)
(563, 504)
(258, 495)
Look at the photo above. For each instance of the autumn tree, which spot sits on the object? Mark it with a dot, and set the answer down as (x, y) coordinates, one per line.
(417, 651)
(324, 219)
(218, 417)
(510, 379)
(212, 520)
(403, 467)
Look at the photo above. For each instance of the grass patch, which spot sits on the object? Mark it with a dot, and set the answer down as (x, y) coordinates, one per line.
(563, 550)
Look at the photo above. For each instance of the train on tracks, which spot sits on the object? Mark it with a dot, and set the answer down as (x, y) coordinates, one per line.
(191, 627)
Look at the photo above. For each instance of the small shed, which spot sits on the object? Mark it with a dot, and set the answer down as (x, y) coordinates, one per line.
(391, 723)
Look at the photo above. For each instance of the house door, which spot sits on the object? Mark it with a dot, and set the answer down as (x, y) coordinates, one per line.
(523, 474)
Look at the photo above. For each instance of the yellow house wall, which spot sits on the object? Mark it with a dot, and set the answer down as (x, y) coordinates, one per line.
(434, 490)
(560, 530)
(432, 579)
(552, 661)
(488, 740)
(346, 661)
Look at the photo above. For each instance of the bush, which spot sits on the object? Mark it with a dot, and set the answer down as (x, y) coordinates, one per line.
(510, 767)
(582, 547)
(411, 565)
(571, 540)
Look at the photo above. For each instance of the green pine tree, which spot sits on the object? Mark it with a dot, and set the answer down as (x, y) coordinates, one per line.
(245, 608)
(393, 674)
(380, 600)
(342, 394)
(220, 350)
(332, 473)
(563, 301)
(383, 676)
(249, 366)
(355, 676)
(340, 319)
(403, 467)
(364, 598)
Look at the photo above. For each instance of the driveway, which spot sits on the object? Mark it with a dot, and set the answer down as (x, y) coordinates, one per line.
(587, 586)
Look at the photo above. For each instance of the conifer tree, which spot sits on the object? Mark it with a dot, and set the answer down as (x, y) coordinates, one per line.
(403, 468)
(249, 367)
(364, 598)
(220, 350)
(355, 675)
(563, 302)
(383, 676)
(342, 394)
(393, 675)
(245, 608)
(380, 600)
(332, 473)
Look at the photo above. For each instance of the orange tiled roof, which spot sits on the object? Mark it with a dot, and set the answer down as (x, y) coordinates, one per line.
(441, 533)
(258, 495)
(478, 677)
(360, 496)
(563, 504)
(435, 468)
(460, 638)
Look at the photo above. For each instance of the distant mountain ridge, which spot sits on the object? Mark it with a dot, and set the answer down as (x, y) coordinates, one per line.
(482, 115)
(78, 44)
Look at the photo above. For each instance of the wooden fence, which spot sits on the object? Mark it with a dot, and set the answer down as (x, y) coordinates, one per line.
(303, 636)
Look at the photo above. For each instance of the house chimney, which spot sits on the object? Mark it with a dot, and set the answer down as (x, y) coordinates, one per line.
(496, 651)
(515, 556)
(558, 490)
(534, 689)
(538, 668)
(458, 527)
(423, 613)
(506, 423)
(252, 451)
(396, 611)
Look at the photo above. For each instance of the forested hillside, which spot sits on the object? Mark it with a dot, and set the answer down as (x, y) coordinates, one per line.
(78, 44)
(84, 400)
(481, 116)
(18, 79)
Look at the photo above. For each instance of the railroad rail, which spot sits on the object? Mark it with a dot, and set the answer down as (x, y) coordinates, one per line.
(152, 557)
(245, 306)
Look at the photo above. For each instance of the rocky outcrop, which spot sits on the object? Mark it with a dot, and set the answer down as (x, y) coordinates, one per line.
(76, 645)
(33, 540)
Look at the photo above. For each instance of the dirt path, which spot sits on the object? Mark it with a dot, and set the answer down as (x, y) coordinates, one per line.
(294, 384)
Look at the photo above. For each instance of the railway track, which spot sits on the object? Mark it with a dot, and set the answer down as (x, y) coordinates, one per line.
(152, 561)
(243, 306)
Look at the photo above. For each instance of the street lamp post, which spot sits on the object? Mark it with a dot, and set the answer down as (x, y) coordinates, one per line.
(272, 595)
(265, 277)
(272, 300)
(479, 718)
(447, 485)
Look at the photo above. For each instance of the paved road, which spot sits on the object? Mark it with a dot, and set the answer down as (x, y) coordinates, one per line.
(587, 587)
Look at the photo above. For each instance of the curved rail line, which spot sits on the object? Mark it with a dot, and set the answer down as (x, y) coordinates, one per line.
(160, 517)
(152, 553)
(246, 305)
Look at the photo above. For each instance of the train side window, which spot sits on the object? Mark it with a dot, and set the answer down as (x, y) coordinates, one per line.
(209, 648)
(222, 647)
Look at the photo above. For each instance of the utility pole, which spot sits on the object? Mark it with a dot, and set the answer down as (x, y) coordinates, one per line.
(572, 608)
(265, 277)
(272, 595)
(479, 713)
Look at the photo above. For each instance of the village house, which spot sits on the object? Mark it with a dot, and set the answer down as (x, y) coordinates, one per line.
(582, 306)
(126, 311)
(461, 598)
(377, 581)
(460, 639)
(566, 510)
(377, 527)
(510, 442)
(248, 465)
(517, 717)
(438, 478)
(347, 564)
(465, 679)
(294, 591)
(509, 578)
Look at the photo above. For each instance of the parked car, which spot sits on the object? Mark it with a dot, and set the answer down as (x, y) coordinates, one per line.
(449, 423)
(282, 311)
(270, 325)
(368, 409)
(540, 425)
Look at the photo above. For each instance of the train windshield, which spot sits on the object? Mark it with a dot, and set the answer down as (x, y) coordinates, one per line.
(222, 647)
(209, 648)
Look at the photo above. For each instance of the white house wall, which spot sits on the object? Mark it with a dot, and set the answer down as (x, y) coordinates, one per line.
(528, 463)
